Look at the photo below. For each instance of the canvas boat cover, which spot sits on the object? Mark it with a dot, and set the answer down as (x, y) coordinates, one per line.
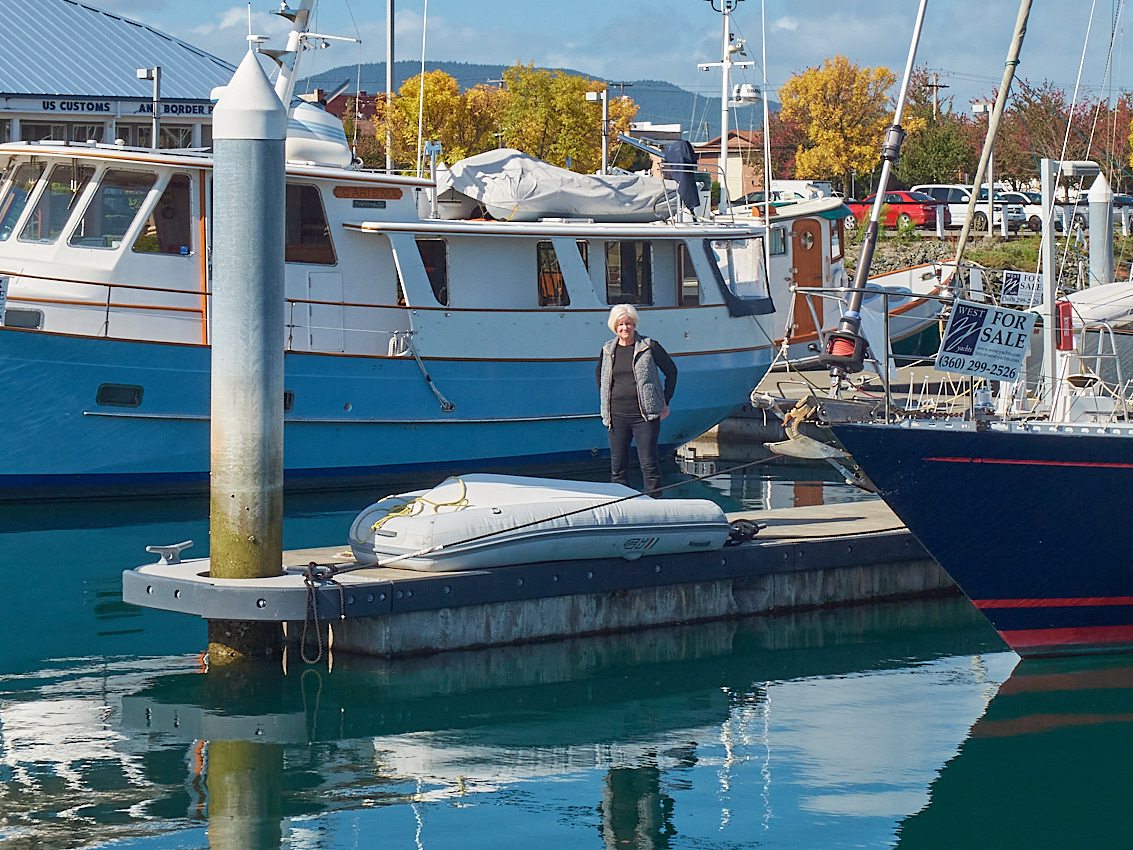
(512, 186)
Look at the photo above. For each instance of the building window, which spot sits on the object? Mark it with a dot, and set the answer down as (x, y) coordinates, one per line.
(629, 273)
(552, 290)
(15, 198)
(308, 236)
(433, 255)
(42, 132)
(115, 205)
(168, 231)
(86, 132)
(56, 203)
(5, 131)
(176, 136)
(688, 284)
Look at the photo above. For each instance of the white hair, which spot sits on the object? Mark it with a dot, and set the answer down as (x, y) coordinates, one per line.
(618, 311)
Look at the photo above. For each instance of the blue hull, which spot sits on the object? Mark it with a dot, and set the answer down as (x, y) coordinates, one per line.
(351, 418)
(1031, 525)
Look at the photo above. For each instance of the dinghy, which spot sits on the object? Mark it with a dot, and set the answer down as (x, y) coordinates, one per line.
(481, 520)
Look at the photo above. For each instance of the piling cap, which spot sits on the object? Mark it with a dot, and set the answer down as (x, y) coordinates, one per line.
(249, 107)
(1099, 191)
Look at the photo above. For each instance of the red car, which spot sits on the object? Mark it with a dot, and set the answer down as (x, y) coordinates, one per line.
(901, 209)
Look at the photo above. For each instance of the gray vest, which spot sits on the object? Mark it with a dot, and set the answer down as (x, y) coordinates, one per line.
(650, 390)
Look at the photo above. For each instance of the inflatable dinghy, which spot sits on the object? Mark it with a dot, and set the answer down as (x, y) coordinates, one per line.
(481, 520)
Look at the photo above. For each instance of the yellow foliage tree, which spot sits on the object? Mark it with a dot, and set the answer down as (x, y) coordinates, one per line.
(548, 116)
(465, 123)
(844, 110)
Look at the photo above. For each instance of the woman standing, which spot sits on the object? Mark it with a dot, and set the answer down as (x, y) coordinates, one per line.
(633, 400)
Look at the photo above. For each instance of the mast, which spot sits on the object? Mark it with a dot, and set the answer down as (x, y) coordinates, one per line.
(727, 48)
(843, 349)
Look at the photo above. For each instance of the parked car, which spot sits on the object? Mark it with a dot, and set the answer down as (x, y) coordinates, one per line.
(956, 196)
(1032, 204)
(900, 209)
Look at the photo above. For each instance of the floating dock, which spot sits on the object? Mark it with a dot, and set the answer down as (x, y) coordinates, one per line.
(806, 557)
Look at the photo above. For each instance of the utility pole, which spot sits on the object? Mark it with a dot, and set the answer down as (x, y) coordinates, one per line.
(936, 86)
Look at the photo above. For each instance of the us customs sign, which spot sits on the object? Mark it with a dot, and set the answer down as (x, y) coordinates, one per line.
(985, 341)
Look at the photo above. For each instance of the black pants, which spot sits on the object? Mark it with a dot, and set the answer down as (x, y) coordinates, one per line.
(642, 432)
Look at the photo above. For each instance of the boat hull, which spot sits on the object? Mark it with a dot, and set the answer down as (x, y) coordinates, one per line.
(1028, 520)
(351, 418)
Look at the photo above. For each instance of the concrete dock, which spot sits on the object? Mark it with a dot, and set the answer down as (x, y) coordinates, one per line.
(806, 557)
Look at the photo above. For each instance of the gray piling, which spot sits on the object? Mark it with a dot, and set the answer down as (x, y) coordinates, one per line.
(1100, 198)
(246, 498)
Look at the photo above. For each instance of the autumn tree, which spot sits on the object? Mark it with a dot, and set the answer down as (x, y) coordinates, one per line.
(465, 123)
(844, 110)
(548, 116)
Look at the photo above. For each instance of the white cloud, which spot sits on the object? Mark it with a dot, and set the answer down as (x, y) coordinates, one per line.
(785, 25)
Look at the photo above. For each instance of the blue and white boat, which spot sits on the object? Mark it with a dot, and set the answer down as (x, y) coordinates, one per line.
(413, 341)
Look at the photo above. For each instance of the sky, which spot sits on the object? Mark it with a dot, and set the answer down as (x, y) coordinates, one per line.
(965, 41)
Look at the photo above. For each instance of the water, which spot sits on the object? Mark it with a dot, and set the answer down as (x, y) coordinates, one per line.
(862, 727)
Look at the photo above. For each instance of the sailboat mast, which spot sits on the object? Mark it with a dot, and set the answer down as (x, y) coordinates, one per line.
(389, 85)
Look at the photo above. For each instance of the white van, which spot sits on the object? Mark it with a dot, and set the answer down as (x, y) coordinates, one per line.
(957, 197)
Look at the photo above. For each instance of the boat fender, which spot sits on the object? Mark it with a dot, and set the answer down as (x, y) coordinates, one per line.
(743, 530)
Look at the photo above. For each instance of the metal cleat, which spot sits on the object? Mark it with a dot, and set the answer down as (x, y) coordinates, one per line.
(170, 554)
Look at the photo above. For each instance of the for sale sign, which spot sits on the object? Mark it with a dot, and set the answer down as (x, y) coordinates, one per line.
(985, 341)
(1020, 288)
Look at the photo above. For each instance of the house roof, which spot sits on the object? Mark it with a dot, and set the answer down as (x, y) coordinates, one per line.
(67, 48)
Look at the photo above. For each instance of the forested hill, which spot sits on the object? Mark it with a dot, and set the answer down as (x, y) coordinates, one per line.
(659, 102)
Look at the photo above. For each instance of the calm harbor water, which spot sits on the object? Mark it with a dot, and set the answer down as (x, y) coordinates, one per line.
(898, 725)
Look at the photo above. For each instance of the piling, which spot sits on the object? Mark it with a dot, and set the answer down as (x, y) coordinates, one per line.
(246, 491)
(1100, 198)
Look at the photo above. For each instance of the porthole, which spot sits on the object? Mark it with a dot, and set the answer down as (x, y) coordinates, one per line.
(119, 395)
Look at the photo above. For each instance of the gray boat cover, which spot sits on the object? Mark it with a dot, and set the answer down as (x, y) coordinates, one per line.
(512, 186)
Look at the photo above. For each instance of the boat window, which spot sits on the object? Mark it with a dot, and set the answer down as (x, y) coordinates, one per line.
(837, 239)
(16, 196)
(584, 252)
(168, 228)
(16, 317)
(688, 283)
(778, 241)
(115, 205)
(308, 236)
(552, 290)
(64, 187)
(436, 267)
(741, 268)
(629, 273)
(118, 395)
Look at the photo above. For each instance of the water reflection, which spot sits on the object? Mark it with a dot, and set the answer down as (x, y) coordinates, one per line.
(714, 735)
(1046, 766)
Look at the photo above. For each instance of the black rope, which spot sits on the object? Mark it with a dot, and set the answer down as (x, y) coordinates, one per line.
(315, 577)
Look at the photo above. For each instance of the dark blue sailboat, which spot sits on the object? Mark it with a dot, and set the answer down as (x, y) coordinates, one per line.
(1027, 518)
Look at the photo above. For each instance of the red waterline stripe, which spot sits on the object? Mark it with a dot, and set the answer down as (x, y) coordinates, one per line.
(1009, 462)
(1068, 602)
(1042, 639)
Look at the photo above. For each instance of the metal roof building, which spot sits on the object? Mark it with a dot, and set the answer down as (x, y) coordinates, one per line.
(74, 77)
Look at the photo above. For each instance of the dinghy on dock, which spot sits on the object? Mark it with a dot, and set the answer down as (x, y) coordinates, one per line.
(480, 521)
